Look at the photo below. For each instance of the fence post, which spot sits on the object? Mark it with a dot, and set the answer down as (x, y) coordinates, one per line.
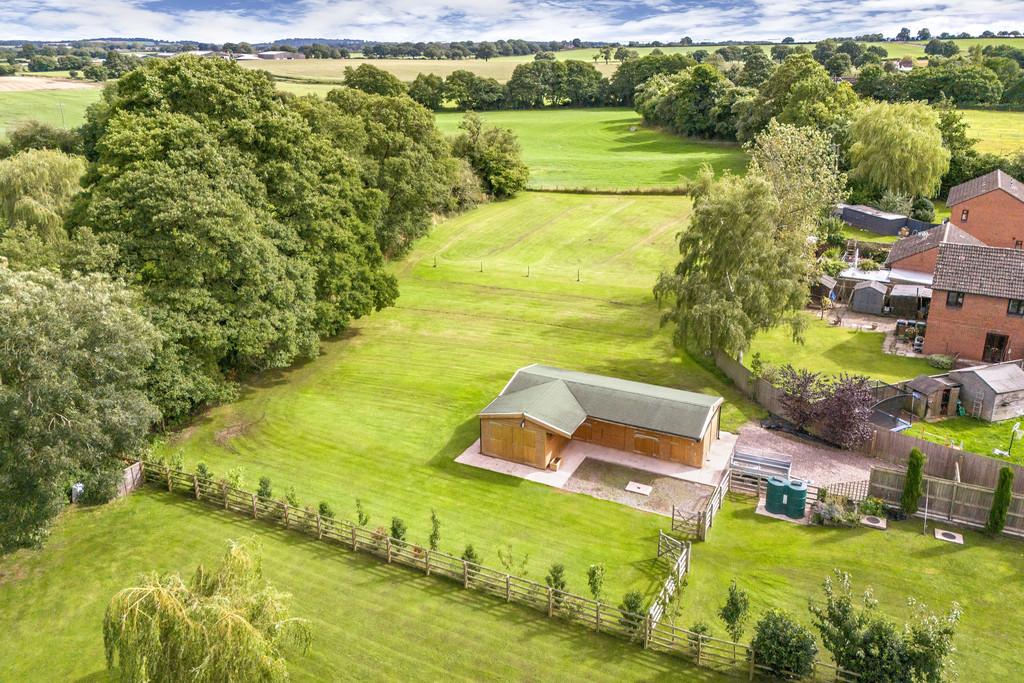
(426, 562)
(551, 601)
(195, 484)
(647, 630)
(508, 588)
(387, 547)
(750, 652)
(170, 480)
(597, 616)
(286, 515)
(700, 646)
(319, 528)
(355, 543)
(225, 490)
(254, 515)
(465, 574)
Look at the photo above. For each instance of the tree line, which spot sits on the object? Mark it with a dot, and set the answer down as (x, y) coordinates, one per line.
(200, 227)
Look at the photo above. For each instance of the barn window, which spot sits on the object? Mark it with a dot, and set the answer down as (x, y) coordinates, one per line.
(963, 216)
(1015, 307)
(954, 299)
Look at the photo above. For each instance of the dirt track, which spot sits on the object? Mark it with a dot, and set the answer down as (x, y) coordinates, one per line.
(29, 83)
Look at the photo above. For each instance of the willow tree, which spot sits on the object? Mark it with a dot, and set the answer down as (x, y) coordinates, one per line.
(36, 188)
(898, 148)
(226, 625)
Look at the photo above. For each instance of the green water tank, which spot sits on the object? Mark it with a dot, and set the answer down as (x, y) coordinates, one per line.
(796, 498)
(775, 497)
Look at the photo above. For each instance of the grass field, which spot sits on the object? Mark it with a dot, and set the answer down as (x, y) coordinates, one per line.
(852, 233)
(57, 107)
(998, 132)
(977, 436)
(384, 412)
(597, 148)
(783, 565)
(833, 350)
(370, 621)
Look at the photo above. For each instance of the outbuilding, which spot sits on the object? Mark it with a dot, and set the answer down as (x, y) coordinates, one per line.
(992, 392)
(910, 301)
(868, 297)
(932, 398)
(542, 409)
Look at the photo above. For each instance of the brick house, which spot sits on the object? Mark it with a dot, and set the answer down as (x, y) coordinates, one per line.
(919, 252)
(990, 207)
(977, 309)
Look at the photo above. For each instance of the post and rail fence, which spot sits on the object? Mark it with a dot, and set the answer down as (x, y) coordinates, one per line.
(650, 629)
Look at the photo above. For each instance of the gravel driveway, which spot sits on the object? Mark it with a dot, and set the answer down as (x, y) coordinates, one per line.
(813, 462)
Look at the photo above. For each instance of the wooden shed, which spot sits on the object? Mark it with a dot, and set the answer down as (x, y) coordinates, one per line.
(542, 409)
(868, 297)
(991, 392)
(910, 301)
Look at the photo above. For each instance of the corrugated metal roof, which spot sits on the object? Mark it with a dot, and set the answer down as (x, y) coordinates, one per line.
(923, 384)
(1002, 378)
(870, 284)
(910, 291)
(648, 406)
(996, 180)
(973, 269)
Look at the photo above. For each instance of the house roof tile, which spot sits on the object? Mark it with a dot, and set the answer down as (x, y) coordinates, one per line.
(974, 269)
(996, 180)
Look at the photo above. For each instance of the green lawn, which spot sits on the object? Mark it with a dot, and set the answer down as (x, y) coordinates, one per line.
(852, 233)
(384, 412)
(370, 621)
(999, 132)
(977, 436)
(833, 350)
(58, 107)
(783, 565)
(596, 148)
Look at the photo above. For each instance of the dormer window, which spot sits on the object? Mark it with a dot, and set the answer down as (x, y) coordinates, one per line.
(963, 216)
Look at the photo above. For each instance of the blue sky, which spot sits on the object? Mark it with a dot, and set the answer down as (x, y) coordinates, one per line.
(612, 20)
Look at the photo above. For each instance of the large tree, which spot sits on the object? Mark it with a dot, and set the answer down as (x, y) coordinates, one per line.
(745, 259)
(229, 624)
(494, 154)
(247, 232)
(36, 188)
(898, 148)
(73, 359)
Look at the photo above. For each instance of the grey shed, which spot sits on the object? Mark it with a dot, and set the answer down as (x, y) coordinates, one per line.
(868, 297)
(992, 392)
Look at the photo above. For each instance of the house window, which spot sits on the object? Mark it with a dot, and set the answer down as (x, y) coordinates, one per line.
(1017, 244)
(954, 299)
(963, 216)
(1015, 307)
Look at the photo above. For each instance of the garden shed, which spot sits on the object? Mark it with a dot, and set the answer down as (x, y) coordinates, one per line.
(932, 397)
(542, 409)
(910, 301)
(992, 392)
(868, 297)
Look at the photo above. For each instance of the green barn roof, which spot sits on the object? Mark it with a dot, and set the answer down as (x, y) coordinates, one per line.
(563, 399)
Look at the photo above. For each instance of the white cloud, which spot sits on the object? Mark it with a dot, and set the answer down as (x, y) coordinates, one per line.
(531, 19)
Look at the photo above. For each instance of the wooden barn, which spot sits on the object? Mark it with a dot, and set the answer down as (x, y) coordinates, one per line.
(542, 409)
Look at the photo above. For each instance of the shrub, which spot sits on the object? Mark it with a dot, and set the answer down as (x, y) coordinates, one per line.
(202, 471)
(873, 506)
(265, 490)
(632, 608)
(913, 484)
(397, 529)
(941, 361)
(306, 522)
(325, 510)
(435, 530)
(556, 580)
(783, 645)
(100, 485)
(700, 631)
(867, 265)
(595, 580)
(735, 611)
(362, 519)
(291, 498)
(833, 512)
(236, 477)
(470, 555)
(832, 267)
(1000, 502)
(923, 210)
(177, 461)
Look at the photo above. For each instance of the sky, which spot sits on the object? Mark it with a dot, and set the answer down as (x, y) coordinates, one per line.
(217, 21)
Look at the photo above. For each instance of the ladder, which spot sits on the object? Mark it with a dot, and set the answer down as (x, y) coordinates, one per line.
(976, 407)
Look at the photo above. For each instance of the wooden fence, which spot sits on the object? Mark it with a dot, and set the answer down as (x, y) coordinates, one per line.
(887, 446)
(948, 500)
(698, 523)
(705, 651)
(131, 479)
(679, 557)
(750, 483)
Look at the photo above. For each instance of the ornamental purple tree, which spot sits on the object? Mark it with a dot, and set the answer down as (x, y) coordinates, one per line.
(845, 410)
(801, 392)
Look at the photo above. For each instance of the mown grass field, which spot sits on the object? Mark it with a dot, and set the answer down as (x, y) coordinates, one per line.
(834, 350)
(383, 413)
(605, 148)
(371, 621)
(975, 435)
(64, 108)
(998, 132)
(783, 565)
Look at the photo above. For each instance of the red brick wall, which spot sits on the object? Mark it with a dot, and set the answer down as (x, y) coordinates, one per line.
(996, 218)
(963, 330)
(923, 262)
